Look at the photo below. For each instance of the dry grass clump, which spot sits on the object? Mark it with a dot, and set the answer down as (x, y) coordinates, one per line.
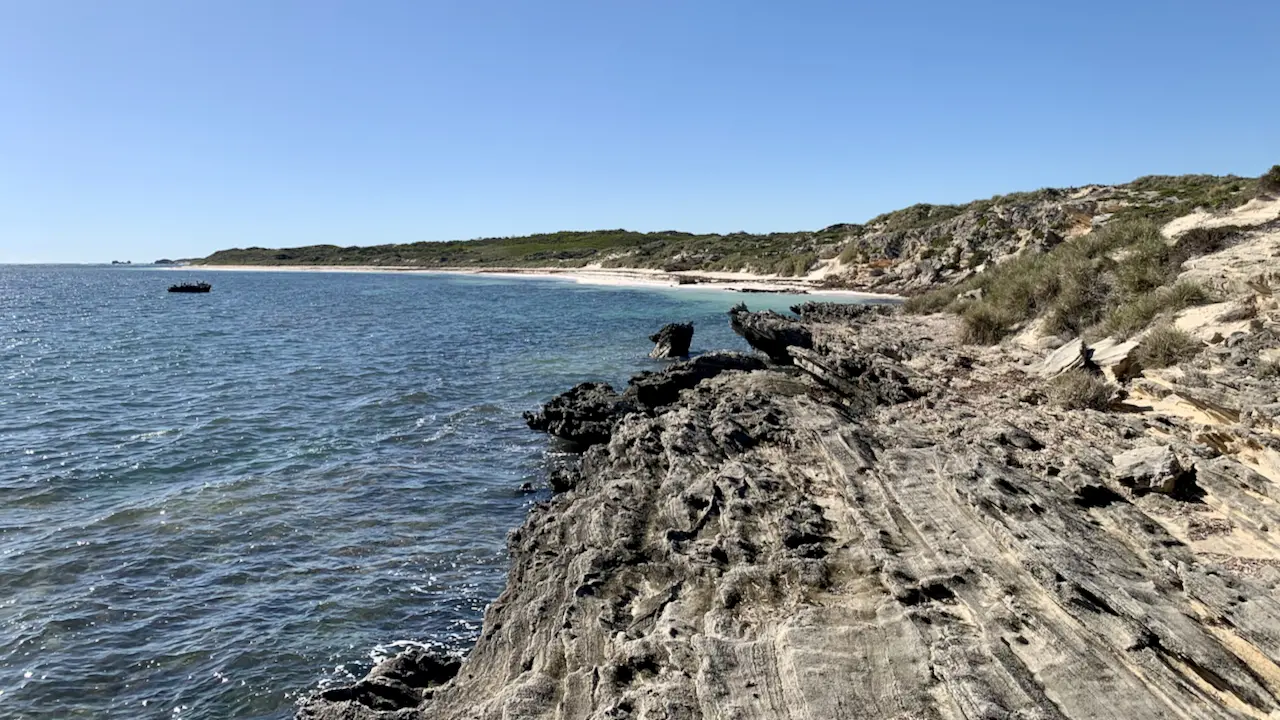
(985, 324)
(1165, 346)
(1080, 390)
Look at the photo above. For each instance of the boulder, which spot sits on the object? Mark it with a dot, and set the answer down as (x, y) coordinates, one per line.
(769, 332)
(394, 685)
(672, 341)
(1148, 469)
(1119, 359)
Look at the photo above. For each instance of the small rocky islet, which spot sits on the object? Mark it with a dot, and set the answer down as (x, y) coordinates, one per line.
(875, 516)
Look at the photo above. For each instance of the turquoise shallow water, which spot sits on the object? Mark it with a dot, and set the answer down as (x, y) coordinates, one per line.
(211, 504)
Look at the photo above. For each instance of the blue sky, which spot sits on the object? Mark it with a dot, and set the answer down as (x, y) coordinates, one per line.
(139, 129)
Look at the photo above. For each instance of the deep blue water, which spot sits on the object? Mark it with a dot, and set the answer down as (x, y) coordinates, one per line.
(212, 504)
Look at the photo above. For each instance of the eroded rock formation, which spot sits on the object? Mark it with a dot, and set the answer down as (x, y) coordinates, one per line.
(672, 341)
(770, 332)
(897, 526)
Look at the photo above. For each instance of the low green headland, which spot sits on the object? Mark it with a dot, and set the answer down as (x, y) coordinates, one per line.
(948, 248)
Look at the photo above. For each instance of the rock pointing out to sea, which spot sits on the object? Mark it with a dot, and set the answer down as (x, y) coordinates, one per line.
(672, 341)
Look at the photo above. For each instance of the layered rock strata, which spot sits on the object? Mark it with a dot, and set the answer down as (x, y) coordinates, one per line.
(887, 524)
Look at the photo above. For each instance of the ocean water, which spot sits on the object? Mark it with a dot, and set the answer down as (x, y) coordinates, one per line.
(211, 505)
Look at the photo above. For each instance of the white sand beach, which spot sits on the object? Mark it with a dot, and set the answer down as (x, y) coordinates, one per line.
(591, 275)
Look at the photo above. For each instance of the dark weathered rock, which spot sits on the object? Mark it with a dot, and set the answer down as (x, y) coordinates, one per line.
(392, 689)
(840, 313)
(652, 390)
(672, 341)
(584, 415)
(587, 413)
(769, 332)
(862, 380)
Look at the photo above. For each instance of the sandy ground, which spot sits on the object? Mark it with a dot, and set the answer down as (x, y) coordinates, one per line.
(1255, 212)
(621, 277)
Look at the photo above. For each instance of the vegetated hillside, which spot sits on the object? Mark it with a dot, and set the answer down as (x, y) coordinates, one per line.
(779, 253)
(1115, 279)
(907, 250)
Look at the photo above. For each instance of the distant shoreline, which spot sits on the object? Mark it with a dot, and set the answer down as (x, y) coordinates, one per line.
(619, 277)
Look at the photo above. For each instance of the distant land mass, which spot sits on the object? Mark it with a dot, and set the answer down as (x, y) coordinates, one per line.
(907, 251)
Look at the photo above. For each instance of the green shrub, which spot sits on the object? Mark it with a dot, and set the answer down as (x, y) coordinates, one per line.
(1165, 346)
(852, 253)
(932, 301)
(1203, 241)
(1080, 390)
(1269, 183)
(1081, 302)
(1134, 314)
(1182, 194)
(803, 263)
(986, 324)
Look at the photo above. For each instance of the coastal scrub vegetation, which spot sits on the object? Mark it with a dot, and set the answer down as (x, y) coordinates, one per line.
(1116, 279)
(957, 238)
(774, 253)
(1080, 390)
(1165, 346)
(1170, 196)
(1269, 183)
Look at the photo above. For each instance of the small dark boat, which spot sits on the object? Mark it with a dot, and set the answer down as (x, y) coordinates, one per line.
(195, 287)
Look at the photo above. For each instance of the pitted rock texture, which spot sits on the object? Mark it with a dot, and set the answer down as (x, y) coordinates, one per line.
(770, 332)
(672, 341)
(587, 413)
(897, 527)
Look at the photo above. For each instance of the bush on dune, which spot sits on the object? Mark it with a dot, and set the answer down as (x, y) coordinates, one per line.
(1269, 183)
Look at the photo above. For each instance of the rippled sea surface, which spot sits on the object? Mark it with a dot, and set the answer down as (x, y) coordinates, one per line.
(213, 504)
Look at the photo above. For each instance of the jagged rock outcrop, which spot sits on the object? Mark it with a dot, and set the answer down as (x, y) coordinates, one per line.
(395, 687)
(587, 413)
(672, 341)
(769, 332)
(829, 312)
(584, 415)
(898, 527)
(652, 390)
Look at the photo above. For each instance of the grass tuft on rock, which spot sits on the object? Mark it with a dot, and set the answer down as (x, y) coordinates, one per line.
(1165, 346)
(1080, 390)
